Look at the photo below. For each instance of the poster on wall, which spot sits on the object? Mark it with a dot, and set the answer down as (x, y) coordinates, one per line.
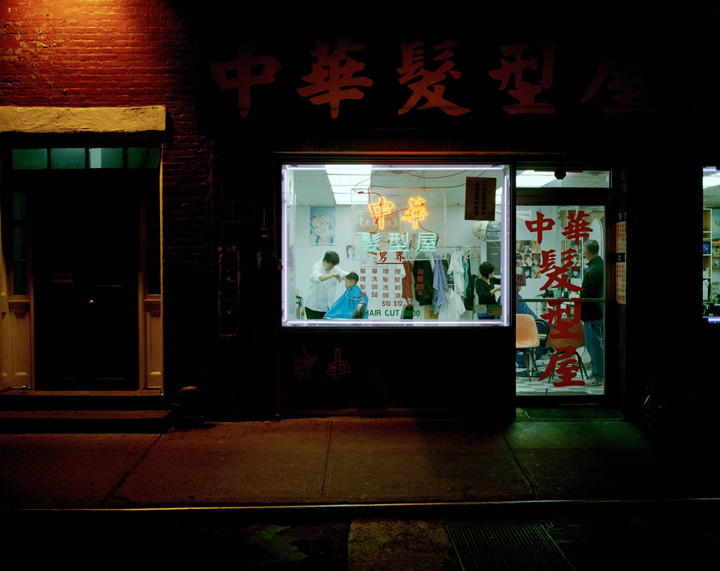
(322, 225)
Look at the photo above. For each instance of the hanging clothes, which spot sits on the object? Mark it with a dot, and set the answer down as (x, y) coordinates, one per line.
(456, 273)
(453, 308)
(423, 274)
(440, 285)
(470, 293)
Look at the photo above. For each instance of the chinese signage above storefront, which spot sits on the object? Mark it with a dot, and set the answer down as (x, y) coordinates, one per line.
(345, 79)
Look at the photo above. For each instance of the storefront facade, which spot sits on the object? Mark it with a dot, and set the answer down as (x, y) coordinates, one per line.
(517, 147)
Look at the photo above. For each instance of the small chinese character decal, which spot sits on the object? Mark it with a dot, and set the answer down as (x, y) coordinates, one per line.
(426, 83)
(238, 74)
(302, 364)
(334, 76)
(339, 367)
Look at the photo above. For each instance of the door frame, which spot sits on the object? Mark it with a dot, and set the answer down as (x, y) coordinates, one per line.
(578, 196)
(17, 311)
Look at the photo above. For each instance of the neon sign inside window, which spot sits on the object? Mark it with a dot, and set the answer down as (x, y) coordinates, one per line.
(397, 227)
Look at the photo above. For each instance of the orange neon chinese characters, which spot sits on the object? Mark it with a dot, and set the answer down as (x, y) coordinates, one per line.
(238, 74)
(416, 211)
(333, 77)
(379, 210)
(425, 83)
(524, 91)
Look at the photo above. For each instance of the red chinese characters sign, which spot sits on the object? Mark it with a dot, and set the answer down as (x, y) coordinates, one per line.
(563, 314)
(523, 75)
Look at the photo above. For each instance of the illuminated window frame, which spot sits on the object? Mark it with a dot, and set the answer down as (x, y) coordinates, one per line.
(357, 172)
(711, 244)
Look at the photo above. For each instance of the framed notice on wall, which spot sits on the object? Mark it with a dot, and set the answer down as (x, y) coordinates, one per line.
(620, 263)
(480, 198)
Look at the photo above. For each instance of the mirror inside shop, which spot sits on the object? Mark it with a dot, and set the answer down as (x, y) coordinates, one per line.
(425, 246)
(711, 244)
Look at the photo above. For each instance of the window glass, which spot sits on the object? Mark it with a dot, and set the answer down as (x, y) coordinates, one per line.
(711, 244)
(143, 157)
(106, 158)
(559, 178)
(398, 245)
(29, 159)
(67, 158)
(561, 287)
(19, 243)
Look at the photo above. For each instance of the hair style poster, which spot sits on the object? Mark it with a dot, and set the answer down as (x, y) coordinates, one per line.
(322, 225)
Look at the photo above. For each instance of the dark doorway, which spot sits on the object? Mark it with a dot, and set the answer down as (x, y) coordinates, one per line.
(84, 229)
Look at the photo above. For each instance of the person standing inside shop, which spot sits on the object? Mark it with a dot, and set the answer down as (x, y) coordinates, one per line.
(486, 286)
(325, 275)
(591, 312)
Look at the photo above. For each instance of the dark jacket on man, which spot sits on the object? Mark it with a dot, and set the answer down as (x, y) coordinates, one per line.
(592, 284)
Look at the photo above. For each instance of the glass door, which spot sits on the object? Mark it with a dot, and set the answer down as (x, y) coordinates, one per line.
(560, 282)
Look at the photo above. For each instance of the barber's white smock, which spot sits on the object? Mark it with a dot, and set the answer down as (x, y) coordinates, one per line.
(322, 294)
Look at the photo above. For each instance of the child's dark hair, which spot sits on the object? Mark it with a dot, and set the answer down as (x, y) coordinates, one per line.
(352, 276)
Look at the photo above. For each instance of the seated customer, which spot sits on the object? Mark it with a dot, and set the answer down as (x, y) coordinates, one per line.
(345, 305)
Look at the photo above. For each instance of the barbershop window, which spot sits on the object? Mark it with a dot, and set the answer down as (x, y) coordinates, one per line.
(413, 245)
(711, 244)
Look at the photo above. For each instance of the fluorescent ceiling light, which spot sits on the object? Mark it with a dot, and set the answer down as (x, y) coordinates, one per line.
(711, 178)
(347, 181)
(534, 179)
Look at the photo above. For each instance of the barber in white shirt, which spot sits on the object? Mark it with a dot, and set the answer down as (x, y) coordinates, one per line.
(324, 277)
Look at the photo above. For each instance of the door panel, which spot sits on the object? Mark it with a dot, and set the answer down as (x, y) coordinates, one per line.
(84, 239)
(551, 288)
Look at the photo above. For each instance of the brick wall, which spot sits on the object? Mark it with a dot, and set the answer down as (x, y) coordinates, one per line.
(74, 53)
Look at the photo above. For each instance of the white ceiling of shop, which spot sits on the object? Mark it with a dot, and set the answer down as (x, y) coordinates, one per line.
(312, 187)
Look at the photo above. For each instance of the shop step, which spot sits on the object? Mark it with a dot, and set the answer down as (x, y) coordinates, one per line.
(66, 421)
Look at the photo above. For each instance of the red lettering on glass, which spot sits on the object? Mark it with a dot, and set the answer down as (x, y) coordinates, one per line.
(578, 226)
(558, 275)
(626, 86)
(567, 367)
(562, 327)
(333, 78)
(540, 225)
(238, 74)
(425, 83)
(516, 70)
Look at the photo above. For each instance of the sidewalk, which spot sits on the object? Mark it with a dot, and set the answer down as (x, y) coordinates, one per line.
(353, 462)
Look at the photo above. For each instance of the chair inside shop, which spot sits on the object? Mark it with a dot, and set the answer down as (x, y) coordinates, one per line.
(527, 340)
(543, 331)
(359, 311)
(576, 340)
